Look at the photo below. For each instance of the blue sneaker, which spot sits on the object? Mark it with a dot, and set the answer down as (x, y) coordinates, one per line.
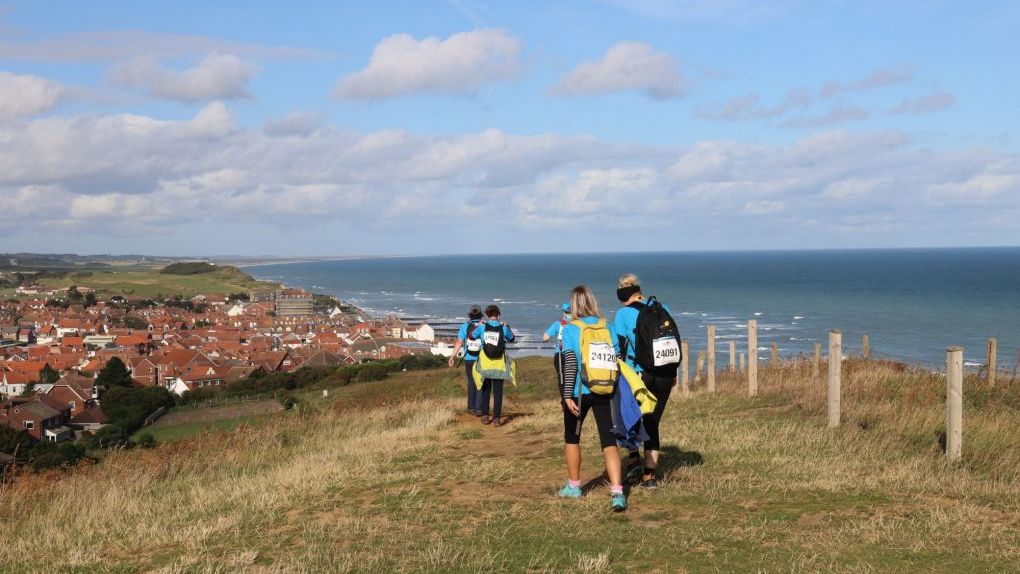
(619, 503)
(569, 491)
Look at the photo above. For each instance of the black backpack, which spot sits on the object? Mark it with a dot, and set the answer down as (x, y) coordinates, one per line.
(656, 339)
(493, 350)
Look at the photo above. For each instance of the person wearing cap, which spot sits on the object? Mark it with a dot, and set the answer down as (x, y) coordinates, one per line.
(556, 330)
(471, 349)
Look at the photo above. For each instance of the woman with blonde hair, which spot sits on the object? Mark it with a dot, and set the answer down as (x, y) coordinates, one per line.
(588, 380)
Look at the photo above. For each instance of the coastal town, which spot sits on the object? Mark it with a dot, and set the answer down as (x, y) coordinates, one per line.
(55, 342)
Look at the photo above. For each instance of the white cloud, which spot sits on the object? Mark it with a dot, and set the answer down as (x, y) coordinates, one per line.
(763, 207)
(294, 124)
(748, 107)
(212, 121)
(880, 78)
(626, 66)
(595, 195)
(978, 188)
(461, 64)
(933, 102)
(139, 176)
(216, 76)
(22, 96)
(830, 118)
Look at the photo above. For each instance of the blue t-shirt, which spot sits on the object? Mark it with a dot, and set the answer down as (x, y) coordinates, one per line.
(572, 342)
(554, 330)
(507, 333)
(462, 336)
(625, 323)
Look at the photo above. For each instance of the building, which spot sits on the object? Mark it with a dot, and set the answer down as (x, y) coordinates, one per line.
(36, 419)
(294, 303)
(419, 332)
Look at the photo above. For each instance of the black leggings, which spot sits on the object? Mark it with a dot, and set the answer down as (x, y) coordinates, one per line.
(661, 387)
(602, 406)
(473, 394)
(495, 386)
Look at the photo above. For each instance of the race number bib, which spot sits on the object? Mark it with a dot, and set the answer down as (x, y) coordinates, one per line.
(492, 338)
(666, 351)
(474, 345)
(601, 356)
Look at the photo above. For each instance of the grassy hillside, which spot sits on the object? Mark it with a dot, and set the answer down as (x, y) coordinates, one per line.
(390, 477)
(150, 282)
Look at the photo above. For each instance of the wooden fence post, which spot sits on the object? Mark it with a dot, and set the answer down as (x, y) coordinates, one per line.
(816, 362)
(993, 347)
(710, 368)
(835, 365)
(733, 356)
(774, 354)
(752, 357)
(699, 367)
(743, 363)
(954, 403)
(866, 345)
(685, 375)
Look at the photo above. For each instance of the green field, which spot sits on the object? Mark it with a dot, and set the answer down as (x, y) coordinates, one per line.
(141, 282)
(389, 476)
(188, 430)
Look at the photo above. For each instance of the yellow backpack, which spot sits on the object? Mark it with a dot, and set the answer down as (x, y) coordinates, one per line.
(598, 359)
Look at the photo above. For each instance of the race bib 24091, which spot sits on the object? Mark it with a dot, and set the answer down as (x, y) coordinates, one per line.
(666, 351)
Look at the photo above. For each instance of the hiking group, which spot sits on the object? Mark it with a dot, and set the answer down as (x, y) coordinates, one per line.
(621, 371)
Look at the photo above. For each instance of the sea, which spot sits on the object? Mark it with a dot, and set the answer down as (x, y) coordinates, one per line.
(912, 303)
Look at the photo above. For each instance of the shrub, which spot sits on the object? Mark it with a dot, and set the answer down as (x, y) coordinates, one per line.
(373, 372)
(48, 455)
(146, 440)
(190, 268)
(110, 436)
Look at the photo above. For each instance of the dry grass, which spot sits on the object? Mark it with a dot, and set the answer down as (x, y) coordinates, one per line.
(406, 485)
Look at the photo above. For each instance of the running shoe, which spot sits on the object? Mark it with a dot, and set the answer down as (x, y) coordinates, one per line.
(619, 503)
(650, 484)
(569, 491)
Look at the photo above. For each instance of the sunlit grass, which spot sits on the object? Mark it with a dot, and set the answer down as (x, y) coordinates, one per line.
(387, 477)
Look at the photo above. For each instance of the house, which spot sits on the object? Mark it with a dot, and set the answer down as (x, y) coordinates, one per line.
(419, 332)
(91, 419)
(323, 358)
(273, 361)
(76, 392)
(200, 377)
(36, 419)
(14, 383)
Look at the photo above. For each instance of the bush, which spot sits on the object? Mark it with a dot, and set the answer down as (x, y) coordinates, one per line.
(373, 372)
(287, 399)
(128, 407)
(146, 440)
(49, 455)
(191, 268)
(110, 436)
(199, 395)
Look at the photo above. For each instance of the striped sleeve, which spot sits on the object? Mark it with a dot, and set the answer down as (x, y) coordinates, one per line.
(568, 374)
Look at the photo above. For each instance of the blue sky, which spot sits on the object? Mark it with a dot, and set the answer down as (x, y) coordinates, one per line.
(323, 128)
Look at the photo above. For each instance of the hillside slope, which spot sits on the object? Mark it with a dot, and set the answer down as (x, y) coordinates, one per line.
(151, 282)
(389, 477)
